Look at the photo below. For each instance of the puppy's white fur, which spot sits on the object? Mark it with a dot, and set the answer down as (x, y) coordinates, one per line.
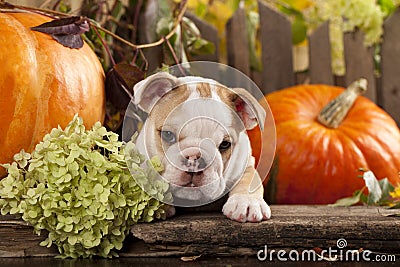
(201, 114)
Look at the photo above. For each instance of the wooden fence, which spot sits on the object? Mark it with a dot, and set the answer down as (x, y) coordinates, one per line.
(277, 56)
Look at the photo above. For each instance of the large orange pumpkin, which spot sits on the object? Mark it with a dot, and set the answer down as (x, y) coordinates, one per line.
(42, 84)
(317, 164)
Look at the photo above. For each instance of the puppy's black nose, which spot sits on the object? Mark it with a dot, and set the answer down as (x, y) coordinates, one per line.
(194, 164)
(202, 163)
(194, 156)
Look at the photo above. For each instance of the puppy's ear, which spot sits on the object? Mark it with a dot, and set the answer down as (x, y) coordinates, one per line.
(248, 108)
(151, 89)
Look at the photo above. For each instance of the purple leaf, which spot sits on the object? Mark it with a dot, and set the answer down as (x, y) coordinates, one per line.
(119, 84)
(66, 31)
(64, 26)
(71, 40)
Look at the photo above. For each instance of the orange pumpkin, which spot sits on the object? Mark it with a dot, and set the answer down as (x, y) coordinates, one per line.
(42, 84)
(317, 164)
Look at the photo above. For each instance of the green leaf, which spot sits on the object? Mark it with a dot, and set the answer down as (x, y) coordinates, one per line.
(201, 9)
(202, 47)
(252, 23)
(46, 242)
(47, 213)
(72, 239)
(190, 27)
(288, 9)
(299, 30)
(98, 188)
(386, 188)
(31, 192)
(375, 191)
(63, 7)
(104, 196)
(32, 214)
(387, 6)
(164, 26)
(348, 201)
(68, 228)
(157, 164)
(396, 206)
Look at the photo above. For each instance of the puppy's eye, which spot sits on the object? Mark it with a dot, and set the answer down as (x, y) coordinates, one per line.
(168, 137)
(224, 145)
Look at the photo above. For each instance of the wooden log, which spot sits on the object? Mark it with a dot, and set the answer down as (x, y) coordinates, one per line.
(276, 42)
(359, 62)
(390, 65)
(18, 240)
(301, 227)
(205, 233)
(237, 44)
(320, 68)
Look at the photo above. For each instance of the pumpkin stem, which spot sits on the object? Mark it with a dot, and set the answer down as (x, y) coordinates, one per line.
(335, 111)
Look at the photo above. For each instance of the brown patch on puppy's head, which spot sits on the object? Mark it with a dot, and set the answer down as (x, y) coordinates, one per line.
(204, 89)
(164, 107)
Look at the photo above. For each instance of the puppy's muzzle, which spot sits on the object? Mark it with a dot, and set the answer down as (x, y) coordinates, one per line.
(195, 164)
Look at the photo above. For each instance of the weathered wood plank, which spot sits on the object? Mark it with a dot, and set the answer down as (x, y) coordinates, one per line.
(237, 44)
(135, 261)
(390, 65)
(276, 42)
(301, 227)
(291, 227)
(320, 67)
(18, 240)
(209, 33)
(359, 62)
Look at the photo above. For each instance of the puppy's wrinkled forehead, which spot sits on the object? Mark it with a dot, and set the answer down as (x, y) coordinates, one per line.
(192, 91)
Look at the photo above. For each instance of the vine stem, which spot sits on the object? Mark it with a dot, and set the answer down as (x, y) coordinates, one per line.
(105, 46)
(42, 11)
(93, 23)
(149, 45)
(171, 49)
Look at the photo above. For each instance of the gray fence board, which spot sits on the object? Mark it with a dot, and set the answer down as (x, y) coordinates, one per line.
(390, 67)
(277, 56)
(359, 62)
(276, 40)
(320, 69)
(237, 45)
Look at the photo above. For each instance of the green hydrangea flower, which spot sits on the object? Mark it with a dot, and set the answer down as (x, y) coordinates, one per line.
(76, 184)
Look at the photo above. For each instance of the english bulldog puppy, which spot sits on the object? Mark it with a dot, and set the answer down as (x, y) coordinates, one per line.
(197, 127)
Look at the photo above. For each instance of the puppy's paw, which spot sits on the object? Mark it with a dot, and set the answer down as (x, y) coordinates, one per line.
(242, 208)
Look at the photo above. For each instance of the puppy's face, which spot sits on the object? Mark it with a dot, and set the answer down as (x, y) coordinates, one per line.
(197, 128)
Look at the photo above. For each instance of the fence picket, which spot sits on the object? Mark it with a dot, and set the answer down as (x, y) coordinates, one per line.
(390, 65)
(237, 45)
(359, 62)
(320, 63)
(276, 42)
(277, 56)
